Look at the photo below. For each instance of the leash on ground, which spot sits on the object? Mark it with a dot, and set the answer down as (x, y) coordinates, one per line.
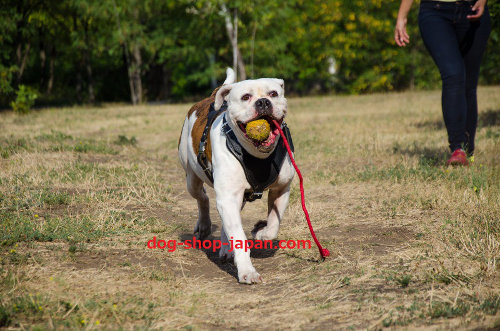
(323, 251)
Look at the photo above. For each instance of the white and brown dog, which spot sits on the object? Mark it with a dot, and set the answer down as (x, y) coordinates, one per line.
(246, 101)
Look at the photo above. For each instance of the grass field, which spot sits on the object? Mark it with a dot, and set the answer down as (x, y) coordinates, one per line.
(414, 244)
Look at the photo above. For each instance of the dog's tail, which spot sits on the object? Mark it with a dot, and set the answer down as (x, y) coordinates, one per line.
(230, 76)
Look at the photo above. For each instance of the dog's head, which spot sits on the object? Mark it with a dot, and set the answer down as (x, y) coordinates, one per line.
(250, 100)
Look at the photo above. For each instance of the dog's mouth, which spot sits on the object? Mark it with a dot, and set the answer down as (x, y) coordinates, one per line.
(262, 145)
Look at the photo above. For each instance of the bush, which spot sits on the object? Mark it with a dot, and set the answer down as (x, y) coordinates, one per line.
(6, 79)
(25, 99)
(6, 89)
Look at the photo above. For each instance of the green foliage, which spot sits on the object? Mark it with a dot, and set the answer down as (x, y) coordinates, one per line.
(86, 51)
(489, 68)
(25, 228)
(445, 309)
(58, 142)
(25, 99)
(89, 145)
(6, 89)
(123, 140)
(404, 280)
(11, 145)
(491, 305)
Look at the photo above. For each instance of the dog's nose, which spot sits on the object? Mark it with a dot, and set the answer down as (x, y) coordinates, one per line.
(263, 105)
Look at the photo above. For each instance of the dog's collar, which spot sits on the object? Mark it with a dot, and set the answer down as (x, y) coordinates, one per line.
(260, 173)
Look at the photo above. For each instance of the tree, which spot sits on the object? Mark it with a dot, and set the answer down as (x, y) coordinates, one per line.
(75, 51)
(232, 33)
(489, 68)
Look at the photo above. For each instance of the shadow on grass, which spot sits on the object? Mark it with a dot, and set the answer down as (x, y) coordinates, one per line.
(430, 124)
(487, 118)
(207, 247)
(427, 156)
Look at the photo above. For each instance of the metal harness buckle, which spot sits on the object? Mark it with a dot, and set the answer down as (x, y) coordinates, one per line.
(252, 196)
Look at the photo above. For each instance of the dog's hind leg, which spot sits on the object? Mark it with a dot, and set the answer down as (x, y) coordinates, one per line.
(276, 205)
(195, 188)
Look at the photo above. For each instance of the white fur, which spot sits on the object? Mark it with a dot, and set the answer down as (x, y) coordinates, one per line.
(230, 182)
(244, 110)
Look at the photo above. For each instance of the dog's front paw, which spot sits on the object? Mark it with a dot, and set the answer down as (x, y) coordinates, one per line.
(204, 229)
(224, 253)
(257, 228)
(249, 276)
(262, 232)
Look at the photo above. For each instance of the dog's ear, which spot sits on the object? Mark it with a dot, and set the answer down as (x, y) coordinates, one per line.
(281, 82)
(221, 95)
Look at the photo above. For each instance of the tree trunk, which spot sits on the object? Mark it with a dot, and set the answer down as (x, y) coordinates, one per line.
(126, 55)
(241, 67)
(43, 60)
(164, 92)
(254, 32)
(234, 40)
(213, 78)
(133, 92)
(90, 84)
(232, 33)
(50, 82)
(241, 64)
(88, 65)
(22, 59)
(78, 87)
(413, 68)
(136, 73)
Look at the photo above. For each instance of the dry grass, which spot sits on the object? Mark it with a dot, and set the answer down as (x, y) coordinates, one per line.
(415, 244)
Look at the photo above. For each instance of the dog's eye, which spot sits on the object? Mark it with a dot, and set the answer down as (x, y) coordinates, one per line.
(246, 97)
(273, 94)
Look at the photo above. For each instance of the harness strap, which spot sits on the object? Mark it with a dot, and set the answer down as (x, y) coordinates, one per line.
(260, 173)
(202, 156)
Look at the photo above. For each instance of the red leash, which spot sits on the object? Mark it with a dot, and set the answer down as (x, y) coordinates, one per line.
(323, 251)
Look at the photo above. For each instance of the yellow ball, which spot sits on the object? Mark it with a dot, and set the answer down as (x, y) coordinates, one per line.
(258, 130)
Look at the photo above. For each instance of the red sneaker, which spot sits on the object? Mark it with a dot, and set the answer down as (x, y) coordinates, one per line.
(458, 158)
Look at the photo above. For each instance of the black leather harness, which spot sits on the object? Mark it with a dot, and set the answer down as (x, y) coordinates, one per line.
(260, 173)
(202, 156)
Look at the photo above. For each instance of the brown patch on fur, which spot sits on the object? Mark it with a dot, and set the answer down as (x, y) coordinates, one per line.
(201, 109)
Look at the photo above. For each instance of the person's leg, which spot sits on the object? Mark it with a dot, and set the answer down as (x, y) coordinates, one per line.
(473, 47)
(436, 22)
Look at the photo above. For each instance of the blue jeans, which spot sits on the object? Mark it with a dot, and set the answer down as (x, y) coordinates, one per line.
(457, 45)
